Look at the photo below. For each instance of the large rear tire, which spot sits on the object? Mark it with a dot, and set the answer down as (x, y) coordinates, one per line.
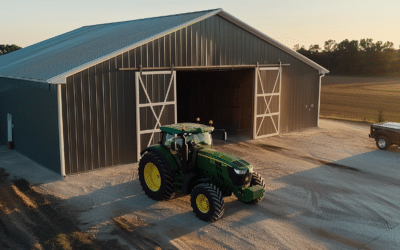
(155, 178)
(207, 202)
(256, 179)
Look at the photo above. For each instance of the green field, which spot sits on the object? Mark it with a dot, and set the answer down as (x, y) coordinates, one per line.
(360, 98)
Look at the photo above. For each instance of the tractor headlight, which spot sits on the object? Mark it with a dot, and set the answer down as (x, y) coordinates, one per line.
(240, 171)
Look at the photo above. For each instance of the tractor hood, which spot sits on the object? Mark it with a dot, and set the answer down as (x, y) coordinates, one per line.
(231, 160)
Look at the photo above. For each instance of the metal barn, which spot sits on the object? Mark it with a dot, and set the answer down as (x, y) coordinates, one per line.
(93, 97)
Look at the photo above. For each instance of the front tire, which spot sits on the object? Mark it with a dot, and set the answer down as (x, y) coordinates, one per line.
(207, 202)
(155, 178)
(256, 179)
(382, 143)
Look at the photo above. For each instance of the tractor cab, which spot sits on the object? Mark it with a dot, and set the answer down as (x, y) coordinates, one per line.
(184, 140)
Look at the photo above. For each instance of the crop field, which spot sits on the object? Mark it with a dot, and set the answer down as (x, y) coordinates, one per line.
(361, 98)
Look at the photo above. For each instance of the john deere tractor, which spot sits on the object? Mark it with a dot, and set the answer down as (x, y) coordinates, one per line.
(185, 162)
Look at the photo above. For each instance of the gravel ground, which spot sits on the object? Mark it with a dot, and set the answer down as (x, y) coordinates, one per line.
(327, 188)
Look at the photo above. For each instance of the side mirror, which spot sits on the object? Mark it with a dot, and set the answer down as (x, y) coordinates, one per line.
(225, 136)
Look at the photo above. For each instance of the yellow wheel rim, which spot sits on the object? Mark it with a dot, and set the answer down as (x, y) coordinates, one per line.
(202, 203)
(152, 177)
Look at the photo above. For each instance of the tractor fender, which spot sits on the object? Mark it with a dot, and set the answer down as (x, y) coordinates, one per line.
(192, 184)
(165, 154)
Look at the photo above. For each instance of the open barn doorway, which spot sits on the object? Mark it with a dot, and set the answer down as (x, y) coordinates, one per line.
(225, 97)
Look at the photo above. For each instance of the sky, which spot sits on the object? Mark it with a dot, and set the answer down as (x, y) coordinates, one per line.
(291, 22)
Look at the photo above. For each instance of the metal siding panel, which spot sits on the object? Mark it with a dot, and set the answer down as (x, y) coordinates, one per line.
(219, 48)
(222, 42)
(79, 122)
(100, 115)
(196, 44)
(161, 44)
(209, 55)
(138, 52)
(125, 60)
(178, 46)
(168, 50)
(93, 119)
(65, 126)
(72, 125)
(150, 54)
(249, 49)
(145, 55)
(121, 112)
(228, 44)
(243, 46)
(173, 49)
(114, 112)
(184, 47)
(132, 58)
(156, 54)
(107, 113)
(130, 115)
(235, 48)
(203, 47)
(239, 47)
(86, 119)
(189, 45)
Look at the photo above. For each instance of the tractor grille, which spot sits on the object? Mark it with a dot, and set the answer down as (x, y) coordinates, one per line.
(239, 179)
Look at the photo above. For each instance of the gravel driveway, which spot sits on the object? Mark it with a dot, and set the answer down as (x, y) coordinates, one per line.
(327, 188)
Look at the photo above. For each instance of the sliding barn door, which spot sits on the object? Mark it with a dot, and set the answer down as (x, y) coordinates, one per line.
(267, 102)
(155, 105)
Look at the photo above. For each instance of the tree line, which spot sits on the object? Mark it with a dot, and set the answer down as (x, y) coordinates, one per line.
(6, 48)
(363, 57)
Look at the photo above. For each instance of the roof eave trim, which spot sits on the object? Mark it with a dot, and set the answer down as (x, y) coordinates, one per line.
(61, 78)
(25, 79)
(277, 44)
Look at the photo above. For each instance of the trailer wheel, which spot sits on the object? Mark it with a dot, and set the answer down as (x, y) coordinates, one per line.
(382, 143)
(155, 178)
(207, 202)
(256, 179)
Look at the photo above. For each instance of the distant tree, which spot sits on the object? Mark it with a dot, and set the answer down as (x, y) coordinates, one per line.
(314, 48)
(347, 57)
(330, 45)
(377, 58)
(4, 49)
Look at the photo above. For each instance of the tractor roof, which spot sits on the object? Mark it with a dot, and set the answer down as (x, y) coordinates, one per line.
(188, 128)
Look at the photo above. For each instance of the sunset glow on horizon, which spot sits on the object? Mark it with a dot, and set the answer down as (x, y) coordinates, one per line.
(290, 22)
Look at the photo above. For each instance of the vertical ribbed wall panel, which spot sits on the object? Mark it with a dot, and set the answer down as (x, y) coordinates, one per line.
(98, 117)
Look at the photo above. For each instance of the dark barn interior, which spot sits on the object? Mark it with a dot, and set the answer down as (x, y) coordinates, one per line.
(225, 97)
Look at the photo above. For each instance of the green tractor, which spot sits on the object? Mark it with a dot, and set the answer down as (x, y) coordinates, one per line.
(185, 162)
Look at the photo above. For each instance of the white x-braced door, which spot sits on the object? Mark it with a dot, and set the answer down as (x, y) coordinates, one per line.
(267, 102)
(155, 105)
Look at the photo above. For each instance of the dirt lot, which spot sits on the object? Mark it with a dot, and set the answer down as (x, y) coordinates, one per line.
(327, 188)
(361, 98)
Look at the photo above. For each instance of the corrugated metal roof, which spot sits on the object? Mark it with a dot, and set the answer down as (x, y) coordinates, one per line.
(76, 49)
(54, 59)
